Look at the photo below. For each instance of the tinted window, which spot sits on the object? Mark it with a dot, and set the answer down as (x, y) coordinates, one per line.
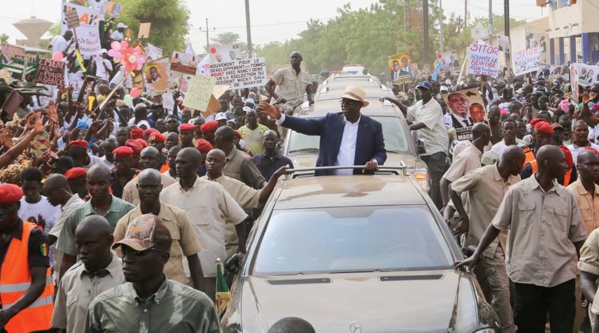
(334, 240)
(396, 139)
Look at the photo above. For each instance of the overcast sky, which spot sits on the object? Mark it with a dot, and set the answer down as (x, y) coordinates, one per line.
(271, 20)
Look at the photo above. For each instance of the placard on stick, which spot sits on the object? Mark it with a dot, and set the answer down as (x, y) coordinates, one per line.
(199, 92)
(72, 18)
(144, 30)
(50, 72)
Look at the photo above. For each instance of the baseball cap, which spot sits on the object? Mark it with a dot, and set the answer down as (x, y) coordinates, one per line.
(444, 88)
(121, 25)
(220, 116)
(146, 232)
(425, 85)
(104, 51)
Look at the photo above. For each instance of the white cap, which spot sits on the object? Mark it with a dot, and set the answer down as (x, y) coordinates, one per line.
(444, 88)
(121, 25)
(220, 116)
(448, 82)
(250, 100)
(104, 51)
(247, 109)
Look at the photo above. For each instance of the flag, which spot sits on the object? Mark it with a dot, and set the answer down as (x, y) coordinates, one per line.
(204, 66)
(223, 295)
(189, 49)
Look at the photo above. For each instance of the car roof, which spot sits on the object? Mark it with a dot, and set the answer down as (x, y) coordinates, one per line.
(375, 108)
(347, 191)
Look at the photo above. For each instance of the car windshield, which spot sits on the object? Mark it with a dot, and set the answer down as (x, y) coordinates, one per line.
(396, 140)
(337, 240)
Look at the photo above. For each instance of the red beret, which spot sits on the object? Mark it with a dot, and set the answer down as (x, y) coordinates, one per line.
(10, 193)
(237, 134)
(592, 149)
(150, 130)
(186, 127)
(535, 121)
(79, 143)
(209, 126)
(137, 133)
(568, 153)
(75, 173)
(135, 145)
(203, 146)
(157, 137)
(143, 142)
(123, 152)
(544, 127)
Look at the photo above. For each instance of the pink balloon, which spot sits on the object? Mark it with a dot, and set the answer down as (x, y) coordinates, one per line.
(115, 46)
(58, 56)
(135, 92)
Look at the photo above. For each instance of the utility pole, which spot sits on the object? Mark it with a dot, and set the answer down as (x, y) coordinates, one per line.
(207, 36)
(506, 28)
(425, 28)
(441, 25)
(465, 13)
(248, 27)
(491, 22)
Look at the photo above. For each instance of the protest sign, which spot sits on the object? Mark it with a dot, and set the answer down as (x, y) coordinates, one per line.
(11, 51)
(238, 74)
(204, 66)
(144, 30)
(72, 18)
(400, 69)
(466, 108)
(449, 59)
(574, 77)
(183, 63)
(587, 74)
(199, 92)
(88, 31)
(483, 60)
(526, 61)
(156, 76)
(50, 72)
(224, 53)
(153, 52)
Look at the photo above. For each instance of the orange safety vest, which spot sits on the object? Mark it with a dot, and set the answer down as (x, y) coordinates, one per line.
(15, 279)
(529, 155)
(567, 175)
(164, 168)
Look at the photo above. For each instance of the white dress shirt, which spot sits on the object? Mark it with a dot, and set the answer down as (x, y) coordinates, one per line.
(347, 149)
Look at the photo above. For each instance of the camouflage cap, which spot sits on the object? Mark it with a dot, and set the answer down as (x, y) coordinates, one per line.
(145, 232)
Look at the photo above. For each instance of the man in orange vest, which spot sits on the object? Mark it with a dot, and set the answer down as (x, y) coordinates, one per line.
(26, 287)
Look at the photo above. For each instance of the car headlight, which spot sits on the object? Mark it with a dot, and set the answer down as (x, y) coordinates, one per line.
(422, 179)
(485, 330)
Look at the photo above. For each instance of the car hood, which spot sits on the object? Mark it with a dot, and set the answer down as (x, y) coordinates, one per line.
(379, 302)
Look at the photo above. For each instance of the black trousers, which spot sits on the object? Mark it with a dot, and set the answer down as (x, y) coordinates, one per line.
(533, 303)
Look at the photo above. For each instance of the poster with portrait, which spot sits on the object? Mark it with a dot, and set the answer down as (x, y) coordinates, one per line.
(587, 74)
(450, 60)
(400, 68)
(466, 108)
(225, 53)
(156, 76)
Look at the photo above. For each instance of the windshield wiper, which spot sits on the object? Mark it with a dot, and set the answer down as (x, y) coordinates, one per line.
(309, 150)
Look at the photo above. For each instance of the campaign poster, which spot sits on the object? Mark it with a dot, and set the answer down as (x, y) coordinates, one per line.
(450, 60)
(153, 52)
(466, 108)
(156, 76)
(50, 72)
(574, 80)
(483, 59)
(184, 63)
(224, 53)
(587, 74)
(237, 74)
(11, 51)
(526, 61)
(88, 31)
(400, 68)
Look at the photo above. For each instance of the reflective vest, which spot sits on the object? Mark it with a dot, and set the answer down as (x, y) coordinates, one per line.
(567, 175)
(15, 279)
(164, 168)
(529, 155)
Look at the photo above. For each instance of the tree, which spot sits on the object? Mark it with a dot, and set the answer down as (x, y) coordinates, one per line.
(169, 20)
(4, 38)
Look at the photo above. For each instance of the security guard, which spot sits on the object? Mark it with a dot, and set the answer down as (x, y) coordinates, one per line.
(26, 287)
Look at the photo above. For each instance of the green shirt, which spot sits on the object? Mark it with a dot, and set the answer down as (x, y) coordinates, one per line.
(174, 307)
(66, 241)
(254, 138)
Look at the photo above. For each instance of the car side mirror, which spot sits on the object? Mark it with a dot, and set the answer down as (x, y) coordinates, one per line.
(420, 147)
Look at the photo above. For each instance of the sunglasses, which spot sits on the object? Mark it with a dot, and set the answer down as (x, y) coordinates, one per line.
(129, 251)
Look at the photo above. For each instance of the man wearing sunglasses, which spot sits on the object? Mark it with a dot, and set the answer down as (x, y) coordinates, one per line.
(346, 138)
(149, 301)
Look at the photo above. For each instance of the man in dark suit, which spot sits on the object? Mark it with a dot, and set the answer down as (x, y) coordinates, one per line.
(346, 137)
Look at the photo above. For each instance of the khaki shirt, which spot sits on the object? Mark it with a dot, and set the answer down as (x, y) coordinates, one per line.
(209, 207)
(434, 135)
(185, 240)
(466, 161)
(131, 194)
(290, 85)
(589, 254)
(588, 204)
(67, 209)
(486, 190)
(239, 166)
(174, 307)
(77, 290)
(544, 226)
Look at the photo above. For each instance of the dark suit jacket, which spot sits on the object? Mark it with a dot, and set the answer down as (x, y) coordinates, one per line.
(370, 143)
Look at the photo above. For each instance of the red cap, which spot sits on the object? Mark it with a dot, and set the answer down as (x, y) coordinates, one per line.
(143, 142)
(204, 146)
(79, 143)
(75, 173)
(593, 149)
(123, 152)
(535, 121)
(209, 126)
(186, 127)
(157, 137)
(137, 133)
(544, 127)
(237, 134)
(568, 153)
(10, 193)
(150, 130)
(135, 145)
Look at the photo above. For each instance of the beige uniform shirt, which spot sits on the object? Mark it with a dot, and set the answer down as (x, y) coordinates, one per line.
(209, 207)
(77, 290)
(185, 240)
(588, 204)
(290, 85)
(589, 261)
(130, 193)
(434, 135)
(486, 189)
(466, 161)
(543, 227)
(239, 166)
(72, 204)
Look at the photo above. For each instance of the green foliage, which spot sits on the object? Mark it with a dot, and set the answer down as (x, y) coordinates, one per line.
(169, 21)
(4, 38)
